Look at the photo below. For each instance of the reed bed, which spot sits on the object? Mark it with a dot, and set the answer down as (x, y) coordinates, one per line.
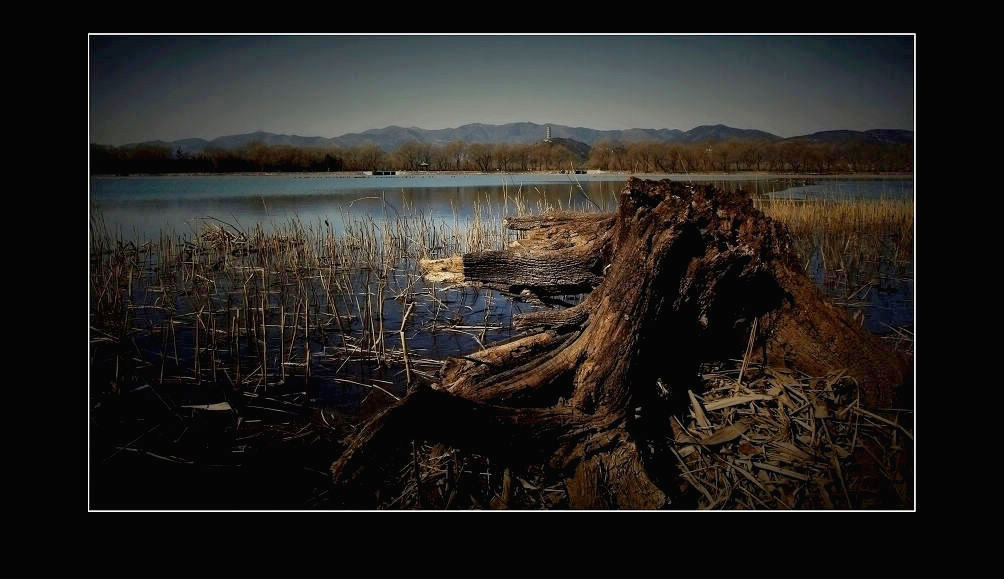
(285, 335)
(851, 247)
(212, 349)
(291, 334)
(255, 306)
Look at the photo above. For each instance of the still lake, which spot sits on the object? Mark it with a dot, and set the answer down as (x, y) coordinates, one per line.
(141, 208)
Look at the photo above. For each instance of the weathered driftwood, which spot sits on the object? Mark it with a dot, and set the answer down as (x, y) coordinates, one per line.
(561, 253)
(679, 274)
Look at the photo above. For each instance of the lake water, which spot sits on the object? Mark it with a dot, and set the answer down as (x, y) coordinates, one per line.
(143, 207)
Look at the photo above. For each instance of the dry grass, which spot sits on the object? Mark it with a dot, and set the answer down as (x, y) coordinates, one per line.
(850, 247)
(813, 216)
(777, 440)
(782, 440)
(240, 303)
(252, 306)
(847, 233)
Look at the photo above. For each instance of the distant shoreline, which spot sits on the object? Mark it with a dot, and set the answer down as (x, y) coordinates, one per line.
(743, 175)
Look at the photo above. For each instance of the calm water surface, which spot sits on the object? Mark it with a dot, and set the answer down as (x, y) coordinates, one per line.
(143, 207)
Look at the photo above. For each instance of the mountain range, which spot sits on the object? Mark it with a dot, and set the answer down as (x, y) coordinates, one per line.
(392, 137)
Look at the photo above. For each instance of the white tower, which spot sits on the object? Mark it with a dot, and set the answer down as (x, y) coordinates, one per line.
(547, 139)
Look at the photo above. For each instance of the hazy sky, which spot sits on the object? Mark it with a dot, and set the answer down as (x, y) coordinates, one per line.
(151, 87)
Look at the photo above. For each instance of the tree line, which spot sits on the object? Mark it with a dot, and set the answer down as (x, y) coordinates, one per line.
(795, 157)
(785, 156)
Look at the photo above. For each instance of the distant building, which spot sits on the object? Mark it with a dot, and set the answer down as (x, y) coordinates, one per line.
(424, 166)
(547, 139)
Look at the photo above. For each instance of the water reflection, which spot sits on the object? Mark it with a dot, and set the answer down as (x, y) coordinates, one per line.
(144, 207)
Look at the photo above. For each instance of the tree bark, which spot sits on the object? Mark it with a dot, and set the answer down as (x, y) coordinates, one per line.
(561, 253)
(679, 274)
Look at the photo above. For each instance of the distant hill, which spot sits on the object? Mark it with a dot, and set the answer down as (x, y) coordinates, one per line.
(876, 136)
(528, 133)
(238, 141)
(190, 145)
(578, 148)
(706, 133)
(389, 138)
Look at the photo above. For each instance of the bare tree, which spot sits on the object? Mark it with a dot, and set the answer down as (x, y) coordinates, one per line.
(482, 155)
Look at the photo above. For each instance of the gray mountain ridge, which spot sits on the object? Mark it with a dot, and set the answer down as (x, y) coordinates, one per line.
(389, 138)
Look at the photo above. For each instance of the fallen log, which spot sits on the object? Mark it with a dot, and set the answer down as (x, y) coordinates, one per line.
(678, 276)
(562, 253)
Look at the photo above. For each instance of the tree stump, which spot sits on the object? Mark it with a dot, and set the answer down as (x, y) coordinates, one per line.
(677, 277)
